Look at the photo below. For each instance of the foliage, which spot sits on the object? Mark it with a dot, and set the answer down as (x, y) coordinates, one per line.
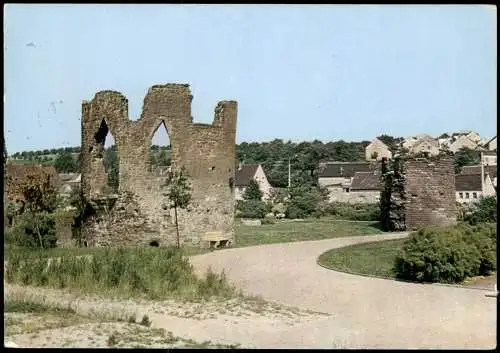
(178, 191)
(65, 163)
(354, 211)
(163, 158)
(155, 273)
(111, 166)
(448, 255)
(485, 210)
(252, 209)
(465, 156)
(252, 191)
(305, 201)
(36, 226)
(34, 230)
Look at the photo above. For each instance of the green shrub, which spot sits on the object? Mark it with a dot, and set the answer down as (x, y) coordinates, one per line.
(448, 255)
(484, 211)
(33, 230)
(354, 211)
(252, 209)
(267, 220)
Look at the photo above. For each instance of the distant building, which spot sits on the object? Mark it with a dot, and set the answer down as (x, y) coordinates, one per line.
(244, 174)
(377, 150)
(491, 145)
(421, 144)
(462, 141)
(425, 144)
(469, 187)
(350, 181)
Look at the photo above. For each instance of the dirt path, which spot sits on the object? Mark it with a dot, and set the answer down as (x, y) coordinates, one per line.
(366, 312)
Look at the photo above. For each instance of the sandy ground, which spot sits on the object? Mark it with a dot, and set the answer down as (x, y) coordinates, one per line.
(337, 310)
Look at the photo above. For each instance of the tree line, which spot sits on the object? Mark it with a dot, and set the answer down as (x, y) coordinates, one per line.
(274, 156)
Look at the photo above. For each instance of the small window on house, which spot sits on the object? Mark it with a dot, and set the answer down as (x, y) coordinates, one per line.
(474, 195)
(347, 190)
(461, 195)
(467, 195)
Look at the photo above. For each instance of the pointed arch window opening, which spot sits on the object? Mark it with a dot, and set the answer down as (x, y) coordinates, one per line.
(160, 150)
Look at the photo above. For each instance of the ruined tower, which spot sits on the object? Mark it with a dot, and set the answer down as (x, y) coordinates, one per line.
(417, 193)
(136, 214)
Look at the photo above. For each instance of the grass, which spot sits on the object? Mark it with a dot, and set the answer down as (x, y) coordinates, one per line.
(376, 259)
(280, 232)
(124, 272)
(308, 229)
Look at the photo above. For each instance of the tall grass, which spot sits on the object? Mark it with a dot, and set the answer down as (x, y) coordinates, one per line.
(137, 272)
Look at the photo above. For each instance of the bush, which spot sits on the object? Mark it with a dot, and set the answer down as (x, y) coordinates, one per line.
(354, 211)
(447, 255)
(252, 209)
(152, 272)
(485, 210)
(33, 230)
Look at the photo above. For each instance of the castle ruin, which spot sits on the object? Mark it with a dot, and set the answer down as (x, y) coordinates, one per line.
(136, 214)
(417, 193)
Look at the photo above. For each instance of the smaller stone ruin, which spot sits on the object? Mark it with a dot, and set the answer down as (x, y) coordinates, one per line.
(417, 193)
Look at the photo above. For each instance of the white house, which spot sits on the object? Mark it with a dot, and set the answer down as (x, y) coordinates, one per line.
(244, 174)
(350, 182)
(469, 187)
(377, 150)
(462, 141)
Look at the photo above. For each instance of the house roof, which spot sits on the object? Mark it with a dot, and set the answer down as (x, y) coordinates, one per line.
(245, 174)
(343, 169)
(476, 169)
(469, 182)
(366, 181)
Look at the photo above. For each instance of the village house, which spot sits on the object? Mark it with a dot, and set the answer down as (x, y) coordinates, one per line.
(462, 141)
(68, 182)
(244, 174)
(422, 143)
(425, 144)
(377, 150)
(469, 187)
(365, 187)
(489, 170)
(491, 145)
(338, 177)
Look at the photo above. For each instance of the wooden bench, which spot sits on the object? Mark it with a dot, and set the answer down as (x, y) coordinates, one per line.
(216, 239)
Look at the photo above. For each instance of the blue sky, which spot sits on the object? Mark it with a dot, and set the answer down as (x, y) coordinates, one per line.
(298, 72)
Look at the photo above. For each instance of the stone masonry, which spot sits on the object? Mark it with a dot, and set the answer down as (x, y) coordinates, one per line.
(418, 193)
(430, 188)
(137, 214)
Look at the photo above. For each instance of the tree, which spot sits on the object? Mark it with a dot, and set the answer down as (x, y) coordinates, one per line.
(37, 226)
(465, 156)
(65, 163)
(253, 192)
(178, 192)
(111, 166)
(163, 158)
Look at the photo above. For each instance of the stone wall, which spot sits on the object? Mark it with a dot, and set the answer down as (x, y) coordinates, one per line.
(338, 194)
(136, 214)
(430, 187)
(418, 193)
